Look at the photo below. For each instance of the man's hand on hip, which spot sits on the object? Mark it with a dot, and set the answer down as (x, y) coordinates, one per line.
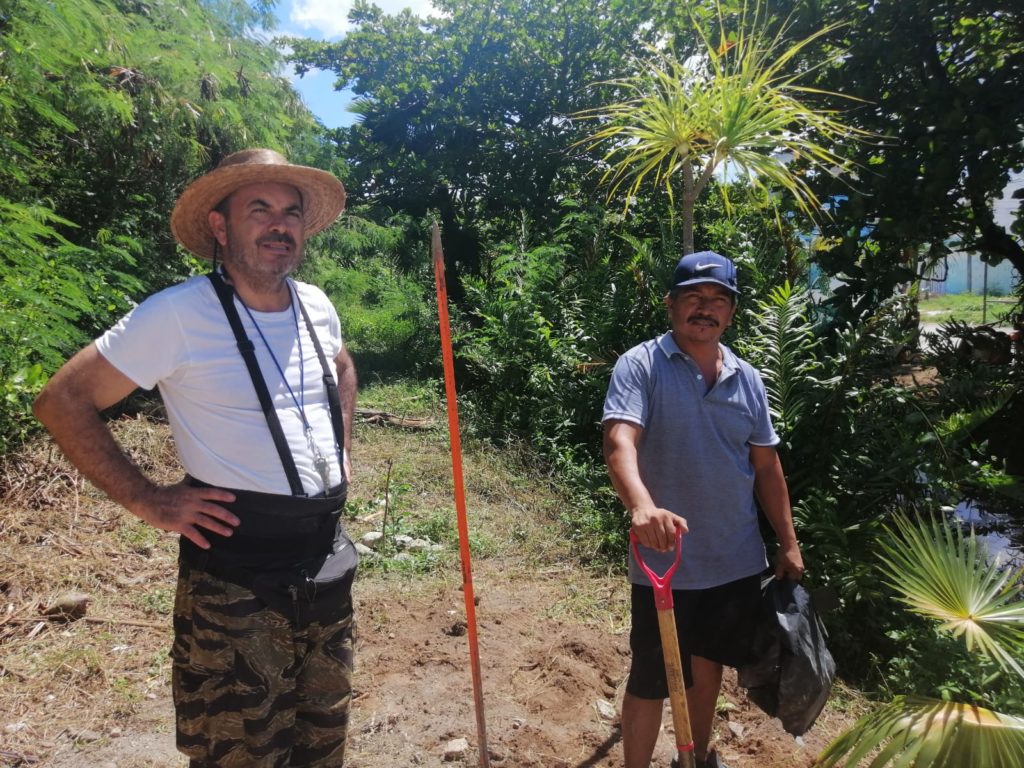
(184, 509)
(656, 527)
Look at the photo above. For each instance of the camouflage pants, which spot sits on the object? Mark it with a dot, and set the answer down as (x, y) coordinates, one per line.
(250, 689)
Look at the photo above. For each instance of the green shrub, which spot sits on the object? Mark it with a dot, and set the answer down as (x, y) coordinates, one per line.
(55, 296)
(387, 323)
(387, 319)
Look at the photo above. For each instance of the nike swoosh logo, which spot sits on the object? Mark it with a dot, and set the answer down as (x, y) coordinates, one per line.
(702, 267)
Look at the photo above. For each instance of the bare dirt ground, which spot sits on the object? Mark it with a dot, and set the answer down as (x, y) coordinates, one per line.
(93, 691)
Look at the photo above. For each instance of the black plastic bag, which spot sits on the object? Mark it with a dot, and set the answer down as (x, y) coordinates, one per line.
(791, 671)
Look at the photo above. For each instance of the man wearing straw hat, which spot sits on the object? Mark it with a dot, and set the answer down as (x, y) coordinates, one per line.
(689, 444)
(259, 392)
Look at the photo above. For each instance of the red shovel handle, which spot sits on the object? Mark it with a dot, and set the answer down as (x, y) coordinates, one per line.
(670, 650)
(662, 584)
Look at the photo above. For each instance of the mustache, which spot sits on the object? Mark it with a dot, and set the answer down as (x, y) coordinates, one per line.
(277, 237)
(703, 318)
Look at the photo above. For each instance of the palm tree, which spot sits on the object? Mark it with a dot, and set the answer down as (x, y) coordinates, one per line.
(738, 100)
(940, 574)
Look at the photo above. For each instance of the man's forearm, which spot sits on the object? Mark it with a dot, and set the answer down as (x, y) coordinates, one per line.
(86, 440)
(653, 526)
(773, 494)
(69, 406)
(632, 493)
(347, 387)
(625, 476)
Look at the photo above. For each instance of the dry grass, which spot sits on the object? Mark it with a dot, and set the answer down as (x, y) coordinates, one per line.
(59, 535)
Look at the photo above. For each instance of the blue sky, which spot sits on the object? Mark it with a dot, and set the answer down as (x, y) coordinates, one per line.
(328, 20)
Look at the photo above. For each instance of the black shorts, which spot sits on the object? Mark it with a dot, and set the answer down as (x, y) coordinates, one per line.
(715, 624)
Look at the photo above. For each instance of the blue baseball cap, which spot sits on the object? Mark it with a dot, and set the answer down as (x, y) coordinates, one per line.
(705, 267)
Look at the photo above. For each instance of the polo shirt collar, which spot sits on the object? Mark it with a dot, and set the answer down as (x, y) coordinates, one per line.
(668, 346)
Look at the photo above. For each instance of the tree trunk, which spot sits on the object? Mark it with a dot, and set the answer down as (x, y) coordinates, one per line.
(912, 322)
(687, 227)
(995, 241)
(689, 203)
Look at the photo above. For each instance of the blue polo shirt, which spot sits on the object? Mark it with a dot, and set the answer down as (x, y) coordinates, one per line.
(694, 456)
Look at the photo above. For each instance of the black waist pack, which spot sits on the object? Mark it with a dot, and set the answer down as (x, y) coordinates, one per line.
(291, 551)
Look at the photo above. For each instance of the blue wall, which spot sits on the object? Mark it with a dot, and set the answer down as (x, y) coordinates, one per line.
(1001, 277)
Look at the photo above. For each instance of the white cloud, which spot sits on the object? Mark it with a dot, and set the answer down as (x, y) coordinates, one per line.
(326, 19)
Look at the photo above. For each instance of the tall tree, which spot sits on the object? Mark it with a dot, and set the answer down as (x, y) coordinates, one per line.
(942, 84)
(467, 113)
(739, 100)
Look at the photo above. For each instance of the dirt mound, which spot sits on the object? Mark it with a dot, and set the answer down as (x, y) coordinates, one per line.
(541, 682)
(552, 683)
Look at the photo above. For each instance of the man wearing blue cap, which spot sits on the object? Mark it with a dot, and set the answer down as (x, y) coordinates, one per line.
(690, 445)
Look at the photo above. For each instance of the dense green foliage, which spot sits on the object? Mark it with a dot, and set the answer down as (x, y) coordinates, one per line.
(889, 449)
(942, 84)
(387, 321)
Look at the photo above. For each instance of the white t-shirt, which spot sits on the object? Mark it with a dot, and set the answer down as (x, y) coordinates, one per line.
(179, 340)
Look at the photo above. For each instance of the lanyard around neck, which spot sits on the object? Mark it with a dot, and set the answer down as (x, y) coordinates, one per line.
(300, 401)
(320, 462)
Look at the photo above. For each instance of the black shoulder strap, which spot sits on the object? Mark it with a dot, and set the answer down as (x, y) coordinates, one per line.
(226, 294)
(333, 401)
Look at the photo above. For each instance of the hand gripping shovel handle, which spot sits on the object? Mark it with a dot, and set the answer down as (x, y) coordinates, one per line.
(670, 649)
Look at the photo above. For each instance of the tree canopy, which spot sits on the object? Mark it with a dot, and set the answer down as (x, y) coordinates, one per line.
(468, 113)
(942, 85)
(107, 109)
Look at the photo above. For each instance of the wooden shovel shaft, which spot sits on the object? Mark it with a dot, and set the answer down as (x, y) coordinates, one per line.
(663, 603)
(676, 688)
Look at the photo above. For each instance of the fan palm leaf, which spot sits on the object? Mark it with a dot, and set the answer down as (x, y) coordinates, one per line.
(940, 574)
(916, 732)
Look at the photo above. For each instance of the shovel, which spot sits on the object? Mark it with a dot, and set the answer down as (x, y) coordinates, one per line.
(670, 650)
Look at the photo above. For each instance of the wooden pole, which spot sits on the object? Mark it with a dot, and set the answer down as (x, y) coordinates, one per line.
(460, 492)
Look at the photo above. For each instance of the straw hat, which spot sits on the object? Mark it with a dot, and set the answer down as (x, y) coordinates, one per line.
(323, 196)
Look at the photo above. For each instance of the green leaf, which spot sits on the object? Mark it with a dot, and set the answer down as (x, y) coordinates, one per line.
(925, 733)
(941, 574)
